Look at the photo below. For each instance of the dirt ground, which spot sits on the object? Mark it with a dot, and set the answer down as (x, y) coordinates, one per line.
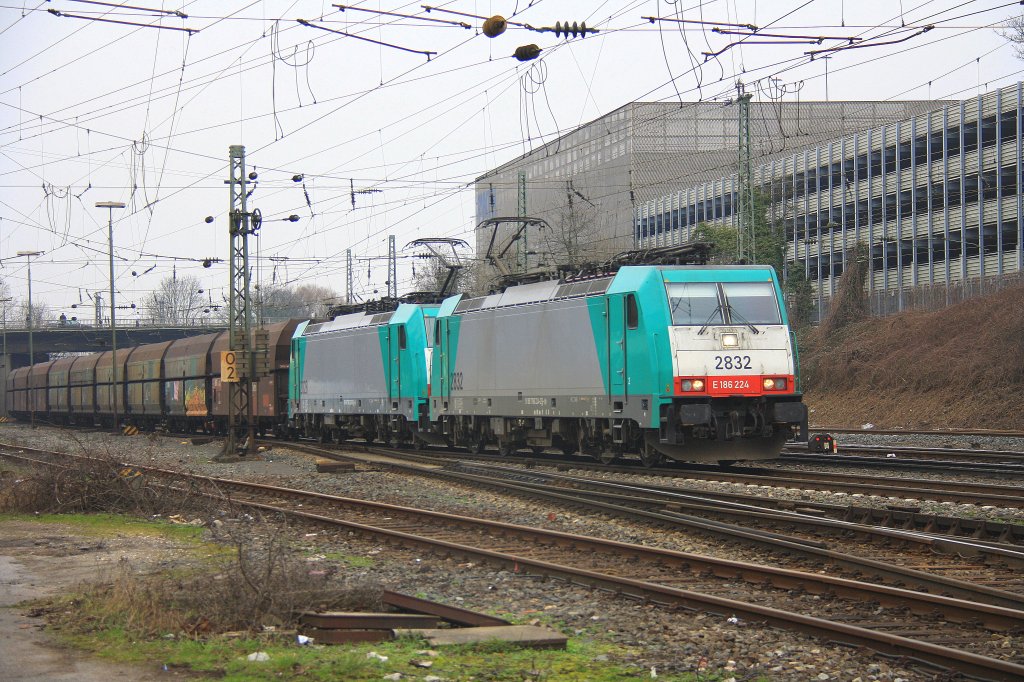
(38, 560)
(959, 367)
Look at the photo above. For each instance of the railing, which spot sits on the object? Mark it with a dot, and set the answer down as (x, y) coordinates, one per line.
(129, 324)
(933, 296)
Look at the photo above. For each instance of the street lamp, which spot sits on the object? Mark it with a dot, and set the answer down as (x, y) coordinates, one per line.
(31, 351)
(7, 364)
(110, 206)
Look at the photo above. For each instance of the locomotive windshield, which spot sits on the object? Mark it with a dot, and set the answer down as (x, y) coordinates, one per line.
(752, 302)
(708, 303)
(694, 303)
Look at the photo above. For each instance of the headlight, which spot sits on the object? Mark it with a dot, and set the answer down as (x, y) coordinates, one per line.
(730, 341)
(691, 385)
(774, 383)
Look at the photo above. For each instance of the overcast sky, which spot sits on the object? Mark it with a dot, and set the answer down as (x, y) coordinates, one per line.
(93, 111)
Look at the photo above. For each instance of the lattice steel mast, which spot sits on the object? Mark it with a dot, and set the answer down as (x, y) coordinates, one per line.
(746, 248)
(240, 224)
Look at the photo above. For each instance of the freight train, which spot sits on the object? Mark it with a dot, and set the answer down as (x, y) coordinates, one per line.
(174, 384)
(694, 363)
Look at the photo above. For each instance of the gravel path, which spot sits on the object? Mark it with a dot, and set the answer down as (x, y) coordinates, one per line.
(651, 637)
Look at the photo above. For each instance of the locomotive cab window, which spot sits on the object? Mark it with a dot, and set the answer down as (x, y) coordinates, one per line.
(694, 303)
(632, 314)
(430, 329)
(752, 303)
(403, 341)
(709, 303)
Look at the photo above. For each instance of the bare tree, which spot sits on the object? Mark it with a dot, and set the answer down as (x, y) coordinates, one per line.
(572, 238)
(1014, 32)
(282, 302)
(432, 274)
(178, 301)
(40, 314)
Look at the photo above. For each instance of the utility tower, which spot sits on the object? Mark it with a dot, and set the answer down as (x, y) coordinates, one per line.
(241, 224)
(392, 268)
(348, 275)
(745, 243)
(522, 246)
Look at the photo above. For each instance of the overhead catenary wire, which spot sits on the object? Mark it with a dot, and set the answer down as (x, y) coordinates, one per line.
(417, 156)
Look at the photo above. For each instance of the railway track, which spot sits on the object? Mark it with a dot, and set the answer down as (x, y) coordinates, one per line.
(951, 633)
(971, 568)
(850, 483)
(1009, 433)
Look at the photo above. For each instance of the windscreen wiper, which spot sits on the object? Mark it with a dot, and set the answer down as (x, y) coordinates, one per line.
(704, 327)
(733, 313)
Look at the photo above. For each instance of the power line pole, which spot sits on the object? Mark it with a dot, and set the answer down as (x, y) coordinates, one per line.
(522, 247)
(239, 311)
(348, 275)
(392, 268)
(745, 242)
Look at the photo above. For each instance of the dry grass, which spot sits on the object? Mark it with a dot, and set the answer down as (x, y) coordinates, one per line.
(267, 582)
(962, 366)
(99, 484)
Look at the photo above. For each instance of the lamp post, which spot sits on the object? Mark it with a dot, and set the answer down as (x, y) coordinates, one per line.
(110, 206)
(7, 364)
(31, 351)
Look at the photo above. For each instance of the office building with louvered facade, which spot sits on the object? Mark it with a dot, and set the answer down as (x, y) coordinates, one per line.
(933, 187)
(935, 196)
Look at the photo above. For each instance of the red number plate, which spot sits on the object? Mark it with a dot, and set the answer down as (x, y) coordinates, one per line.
(734, 385)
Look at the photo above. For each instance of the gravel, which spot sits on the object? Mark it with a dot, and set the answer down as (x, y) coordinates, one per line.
(648, 636)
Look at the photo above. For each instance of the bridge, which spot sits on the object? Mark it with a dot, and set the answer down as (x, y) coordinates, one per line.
(88, 339)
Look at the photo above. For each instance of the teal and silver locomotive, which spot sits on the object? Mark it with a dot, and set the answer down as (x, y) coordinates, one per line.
(693, 363)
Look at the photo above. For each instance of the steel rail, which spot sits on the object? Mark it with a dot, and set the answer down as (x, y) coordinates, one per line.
(963, 661)
(674, 501)
(1009, 433)
(913, 488)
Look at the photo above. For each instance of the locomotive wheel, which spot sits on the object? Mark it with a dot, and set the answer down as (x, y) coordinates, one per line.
(476, 445)
(506, 447)
(650, 456)
(608, 457)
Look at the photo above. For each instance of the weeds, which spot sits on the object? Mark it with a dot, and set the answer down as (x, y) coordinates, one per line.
(99, 483)
(265, 582)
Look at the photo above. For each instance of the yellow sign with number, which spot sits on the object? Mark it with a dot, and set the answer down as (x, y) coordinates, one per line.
(228, 368)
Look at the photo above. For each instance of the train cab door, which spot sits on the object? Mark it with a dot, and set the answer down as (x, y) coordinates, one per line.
(442, 349)
(617, 377)
(397, 343)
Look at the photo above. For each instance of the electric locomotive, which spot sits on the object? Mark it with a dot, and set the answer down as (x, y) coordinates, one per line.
(363, 375)
(693, 363)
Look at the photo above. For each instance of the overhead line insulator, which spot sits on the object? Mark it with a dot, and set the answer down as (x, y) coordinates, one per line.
(495, 26)
(525, 53)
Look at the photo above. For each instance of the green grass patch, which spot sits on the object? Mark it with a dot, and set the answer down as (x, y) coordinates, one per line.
(225, 658)
(114, 524)
(352, 560)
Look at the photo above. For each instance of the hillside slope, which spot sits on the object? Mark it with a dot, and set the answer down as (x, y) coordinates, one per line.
(959, 367)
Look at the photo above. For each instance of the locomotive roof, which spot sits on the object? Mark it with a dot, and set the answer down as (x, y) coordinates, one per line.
(403, 313)
(626, 279)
